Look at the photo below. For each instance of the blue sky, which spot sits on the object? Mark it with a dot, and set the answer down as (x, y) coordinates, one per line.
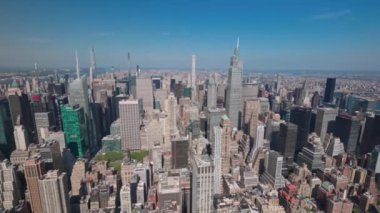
(274, 35)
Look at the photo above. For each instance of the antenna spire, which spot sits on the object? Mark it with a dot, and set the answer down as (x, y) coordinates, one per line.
(77, 63)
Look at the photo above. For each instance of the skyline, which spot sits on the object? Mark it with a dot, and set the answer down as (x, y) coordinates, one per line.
(318, 35)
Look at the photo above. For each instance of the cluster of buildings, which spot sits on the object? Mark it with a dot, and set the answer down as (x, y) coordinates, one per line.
(215, 143)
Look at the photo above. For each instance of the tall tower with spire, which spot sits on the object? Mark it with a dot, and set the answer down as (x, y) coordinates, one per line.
(193, 77)
(234, 100)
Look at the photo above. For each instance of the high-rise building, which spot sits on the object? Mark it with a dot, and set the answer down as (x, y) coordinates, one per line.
(34, 170)
(54, 192)
(211, 93)
(171, 109)
(144, 91)
(193, 78)
(273, 170)
(180, 150)
(74, 126)
(7, 144)
(43, 121)
(250, 90)
(130, 120)
(234, 89)
(371, 136)
(374, 164)
(125, 199)
(202, 182)
(251, 116)
(77, 176)
(312, 153)
(20, 110)
(21, 137)
(217, 153)
(329, 90)
(301, 116)
(78, 94)
(225, 123)
(315, 100)
(324, 122)
(288, 137)
(213, 119)
(347, 128)
(9, 184)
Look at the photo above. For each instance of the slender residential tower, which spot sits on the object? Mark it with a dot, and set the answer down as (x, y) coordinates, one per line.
(193, 77)
(92, 66)
(233, 99)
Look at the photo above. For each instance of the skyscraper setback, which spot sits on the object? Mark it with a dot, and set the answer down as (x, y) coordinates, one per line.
(329, 90)
(233, 100)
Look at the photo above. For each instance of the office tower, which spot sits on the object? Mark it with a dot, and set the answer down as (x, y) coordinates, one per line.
(301, 116)
(370, 137)
(374, 163)
(300, 94)
(7, 144)
(144, 91)
(347, 128)
(111, 143)
(74, 126)
(9, 184)
(315, 100)
(21, 137)
(20, 110)
(288, 137)
(217, 154)
(213, 119)
(211, 93)
(273, 170)
(50, 153)
(324, 122)
(226, 138)
(329, 90)
(202, 182)
(250, 90)
(333, 146)
(251, 116)
(125, 199)
(233, 99)
(34, 170)
(130, 121)
(272, 134)
(157, 82)
(169, 193)
(77, 176)
(193, 78)
(44, 122)
(60, 101)
(78, 94)
(171, 109)
(312, 153)
(180, 149)
(53, 188)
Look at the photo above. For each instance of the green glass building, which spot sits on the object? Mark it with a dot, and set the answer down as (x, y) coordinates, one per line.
(7, 144)
(74, 126)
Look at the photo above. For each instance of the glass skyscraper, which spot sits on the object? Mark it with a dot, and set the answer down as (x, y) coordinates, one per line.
(234, 89)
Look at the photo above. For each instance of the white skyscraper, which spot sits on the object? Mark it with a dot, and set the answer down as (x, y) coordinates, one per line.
(125, 199)
(193, 78)
(234, 90)
(54, 192)
(202, 182)
(211, 93)
(92, 66)
(9, 185)
(21, 137)
(171, 109)
(130, 121)
(144, 91)
(218, 184)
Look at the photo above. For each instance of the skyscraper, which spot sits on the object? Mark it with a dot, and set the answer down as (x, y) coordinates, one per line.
(193, 78)
(251, 116)
(77, 176)
(301, 116)
(171, 109)
(273, 170)
(9, 184)
(20, 110)
(211, 93)
(202, 182)
(180, 149)
(53, 188)
(370, 136)
(213, 119)
(233, 99)
(21, 137)
(73, 120)
(44, 121)
(7, 144)
(217, 153)
(34, 170)
(329, 90)
(288, 137)
(347, 128)
(130, 120)
(144, 91)
(125, 199)
(324, 122)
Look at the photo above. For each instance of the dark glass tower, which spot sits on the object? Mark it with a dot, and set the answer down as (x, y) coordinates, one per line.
(301, 116)
(347, 128)
(371, 134)
(329, 90)
(6, 129)
(287, 146)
